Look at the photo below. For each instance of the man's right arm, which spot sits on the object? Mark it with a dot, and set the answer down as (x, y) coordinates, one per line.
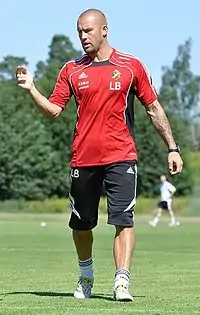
(53, 106)
(46, 107)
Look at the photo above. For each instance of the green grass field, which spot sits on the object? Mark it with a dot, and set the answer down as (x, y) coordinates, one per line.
(38, 268)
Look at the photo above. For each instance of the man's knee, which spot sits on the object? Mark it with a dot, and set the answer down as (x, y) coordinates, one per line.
(123, 229)
(79, 224)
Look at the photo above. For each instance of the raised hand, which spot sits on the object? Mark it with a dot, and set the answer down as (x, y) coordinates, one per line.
(24, 78)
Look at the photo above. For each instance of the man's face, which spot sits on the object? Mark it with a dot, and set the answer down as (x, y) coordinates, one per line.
(162, 178)
(91, 33)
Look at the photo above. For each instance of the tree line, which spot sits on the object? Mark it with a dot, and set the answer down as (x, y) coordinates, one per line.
(35, 152)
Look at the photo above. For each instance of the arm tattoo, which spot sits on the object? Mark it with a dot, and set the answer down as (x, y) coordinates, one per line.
(160, 122)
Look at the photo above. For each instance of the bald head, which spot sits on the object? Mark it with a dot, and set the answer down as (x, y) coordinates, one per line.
(94, 14)
(92, 28)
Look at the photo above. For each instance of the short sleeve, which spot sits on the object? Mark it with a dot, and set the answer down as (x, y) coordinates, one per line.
(143, 87)
(62, 91)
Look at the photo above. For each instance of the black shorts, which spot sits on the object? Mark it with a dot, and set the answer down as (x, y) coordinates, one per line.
(86, 187)
(163, 205)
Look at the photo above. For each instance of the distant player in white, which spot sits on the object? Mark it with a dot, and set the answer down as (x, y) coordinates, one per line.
(167, 190)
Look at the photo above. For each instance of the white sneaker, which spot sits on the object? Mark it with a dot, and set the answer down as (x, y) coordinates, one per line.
(121, 293)
(174, 223)
(152, 223)
(84, 288)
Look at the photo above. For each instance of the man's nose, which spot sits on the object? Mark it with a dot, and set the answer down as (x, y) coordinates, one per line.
(83, 36)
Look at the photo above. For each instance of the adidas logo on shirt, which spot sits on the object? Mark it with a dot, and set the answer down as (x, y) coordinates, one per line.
(83, 75)
(130, 170)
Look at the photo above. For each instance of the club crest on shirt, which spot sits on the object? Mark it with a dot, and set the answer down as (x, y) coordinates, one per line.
(116, 74)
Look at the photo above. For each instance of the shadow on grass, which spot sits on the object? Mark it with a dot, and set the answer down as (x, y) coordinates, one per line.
(64, 294)
(58, 294)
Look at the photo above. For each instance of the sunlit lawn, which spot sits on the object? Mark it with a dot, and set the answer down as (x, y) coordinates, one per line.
(38, 269)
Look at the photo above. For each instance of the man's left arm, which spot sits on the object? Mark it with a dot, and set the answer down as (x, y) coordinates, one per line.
(147, 95)
(161, 124)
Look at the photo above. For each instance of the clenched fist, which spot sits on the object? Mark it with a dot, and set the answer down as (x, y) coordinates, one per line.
(175, 163)
(24, 77)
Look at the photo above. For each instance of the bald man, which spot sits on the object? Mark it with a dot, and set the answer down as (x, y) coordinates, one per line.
(104, 82)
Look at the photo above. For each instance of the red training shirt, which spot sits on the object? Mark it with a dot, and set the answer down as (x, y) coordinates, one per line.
(104, 92)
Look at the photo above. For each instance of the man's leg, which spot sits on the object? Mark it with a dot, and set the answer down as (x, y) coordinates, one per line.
(121, 191)
(172, 218)
(123, 247)
(123, 251)
(173, 221)
(157, 218)
(84, 200)
(83, 241)
(171, 214)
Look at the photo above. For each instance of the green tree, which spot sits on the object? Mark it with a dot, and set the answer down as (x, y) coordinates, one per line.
(61, 50)
(9, 65)
(152, 157)
(61, 129)
(180, 89)
(28, 167)
(35, 151)
(179, 93)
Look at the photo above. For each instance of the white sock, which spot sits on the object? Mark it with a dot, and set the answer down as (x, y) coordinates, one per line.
(156, 220)
(86, 268)
(122, 277)
(173, 220)
(172, 217)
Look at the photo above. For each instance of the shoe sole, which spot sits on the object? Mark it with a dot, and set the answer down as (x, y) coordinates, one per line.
(125, 299)
(82, 297)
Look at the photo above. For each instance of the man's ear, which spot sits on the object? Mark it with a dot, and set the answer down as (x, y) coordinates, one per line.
(105, 31)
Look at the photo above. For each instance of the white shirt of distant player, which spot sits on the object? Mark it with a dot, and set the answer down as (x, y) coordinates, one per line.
(166, 191)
